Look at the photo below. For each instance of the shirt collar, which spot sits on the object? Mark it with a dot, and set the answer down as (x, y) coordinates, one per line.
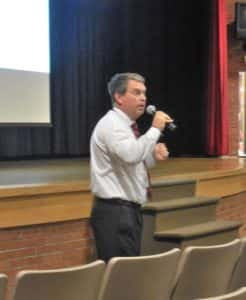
(124, 116)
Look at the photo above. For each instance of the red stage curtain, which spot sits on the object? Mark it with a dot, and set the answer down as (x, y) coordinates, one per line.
(217, 127)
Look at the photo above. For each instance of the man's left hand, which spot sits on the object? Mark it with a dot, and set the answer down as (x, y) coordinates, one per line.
(160, 151)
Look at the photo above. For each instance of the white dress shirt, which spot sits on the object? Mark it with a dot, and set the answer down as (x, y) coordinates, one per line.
(117, 158)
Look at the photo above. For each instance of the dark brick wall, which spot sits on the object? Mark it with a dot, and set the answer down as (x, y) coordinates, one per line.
(235, 64)
(48, 246)
(234, 208)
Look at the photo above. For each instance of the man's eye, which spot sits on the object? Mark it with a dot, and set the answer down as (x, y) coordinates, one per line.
(137, 93)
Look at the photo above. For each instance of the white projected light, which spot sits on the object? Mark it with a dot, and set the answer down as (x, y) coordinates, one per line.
(24, 61)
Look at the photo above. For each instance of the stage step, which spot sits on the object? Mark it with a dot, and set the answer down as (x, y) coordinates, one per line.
(177, 218)
(209, 233)
(214, 232)
(198, 230)
(171, 189)
(181, 212)
(176, 203)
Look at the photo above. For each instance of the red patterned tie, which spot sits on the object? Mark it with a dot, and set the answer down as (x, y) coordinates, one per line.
(136, 131)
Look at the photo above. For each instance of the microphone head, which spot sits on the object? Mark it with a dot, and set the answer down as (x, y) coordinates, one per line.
(151, 109)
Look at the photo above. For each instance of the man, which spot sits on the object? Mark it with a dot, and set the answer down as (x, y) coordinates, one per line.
(119, 158)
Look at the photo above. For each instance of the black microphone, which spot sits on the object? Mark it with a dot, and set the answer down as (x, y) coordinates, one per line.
(151, 110)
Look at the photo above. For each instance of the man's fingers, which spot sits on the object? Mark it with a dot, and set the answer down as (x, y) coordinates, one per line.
(166, 117)
(161, 151)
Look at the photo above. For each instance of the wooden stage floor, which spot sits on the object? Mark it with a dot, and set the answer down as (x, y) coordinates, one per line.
(48, 191)
(36, 172)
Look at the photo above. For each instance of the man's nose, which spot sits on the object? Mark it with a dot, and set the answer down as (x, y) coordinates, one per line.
(143, 97)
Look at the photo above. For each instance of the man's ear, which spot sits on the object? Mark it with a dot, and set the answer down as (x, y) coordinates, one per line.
(118, 99)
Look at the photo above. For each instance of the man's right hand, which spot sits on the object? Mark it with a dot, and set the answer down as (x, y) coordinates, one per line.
(160, 120)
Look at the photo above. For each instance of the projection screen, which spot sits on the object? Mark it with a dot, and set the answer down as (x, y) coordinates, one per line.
(24, 62)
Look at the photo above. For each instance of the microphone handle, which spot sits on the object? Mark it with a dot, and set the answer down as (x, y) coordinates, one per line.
(151, 110)
(171, 126)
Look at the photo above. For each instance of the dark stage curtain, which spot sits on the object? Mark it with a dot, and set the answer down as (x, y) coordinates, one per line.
(217, 125)
(166, 41)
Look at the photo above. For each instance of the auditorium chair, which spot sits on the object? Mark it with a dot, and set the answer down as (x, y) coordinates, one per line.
(75, 283)
(239, 294)
(3, 285)
(205, 271)
(139, 278)
(238, 278)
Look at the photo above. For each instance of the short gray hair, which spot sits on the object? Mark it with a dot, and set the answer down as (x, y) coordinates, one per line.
(118, 83)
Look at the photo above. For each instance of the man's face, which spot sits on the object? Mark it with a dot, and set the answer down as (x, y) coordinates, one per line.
(133, 102)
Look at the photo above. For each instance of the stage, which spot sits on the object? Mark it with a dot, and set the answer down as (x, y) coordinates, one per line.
(50, 171)
(44, 191)
(45, 206)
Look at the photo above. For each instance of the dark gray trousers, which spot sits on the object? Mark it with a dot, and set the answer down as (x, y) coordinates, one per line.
(117, 227)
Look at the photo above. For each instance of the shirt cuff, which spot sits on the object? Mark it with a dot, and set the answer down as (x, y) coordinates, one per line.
(153, 133)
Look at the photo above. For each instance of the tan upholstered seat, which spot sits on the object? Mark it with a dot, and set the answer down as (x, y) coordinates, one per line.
(139, 278)
(238, 278)
(3, 285)
(239, 294)
(205, 271)
(76, 283)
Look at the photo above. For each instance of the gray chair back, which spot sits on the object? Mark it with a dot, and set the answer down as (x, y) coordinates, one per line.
(140, 278)
(3, 285)
(205, 271)
(239, 294)
(75, 283)
(238, 278)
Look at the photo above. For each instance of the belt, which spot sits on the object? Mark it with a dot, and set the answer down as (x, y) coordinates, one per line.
(118, 201)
